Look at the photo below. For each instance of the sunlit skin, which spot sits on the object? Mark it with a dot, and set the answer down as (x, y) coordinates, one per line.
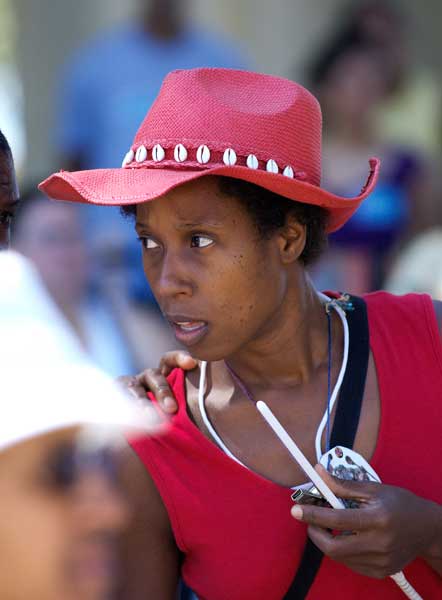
(57, 544)
(8, 197)
(258, 310)
(233, 296)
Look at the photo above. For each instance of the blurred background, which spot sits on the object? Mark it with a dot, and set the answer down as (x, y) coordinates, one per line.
(78, 77)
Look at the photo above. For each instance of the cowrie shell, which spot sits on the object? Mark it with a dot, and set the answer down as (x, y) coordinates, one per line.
(180, 153)
(128, 158)
(288, 172)
(203, 155)
(141, 154)
(272, 166)
(229, 157)
(158, 153)
(252, 162)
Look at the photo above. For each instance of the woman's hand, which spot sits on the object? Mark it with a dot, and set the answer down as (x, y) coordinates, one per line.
(390, 529)
(154, 380)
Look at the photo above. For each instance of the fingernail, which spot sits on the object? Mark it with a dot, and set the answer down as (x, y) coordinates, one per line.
(169, 403)
(297, 512)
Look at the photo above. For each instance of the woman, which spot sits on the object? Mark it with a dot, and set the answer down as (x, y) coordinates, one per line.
(224, 181)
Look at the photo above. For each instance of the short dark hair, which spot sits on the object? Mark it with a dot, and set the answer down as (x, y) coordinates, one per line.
(269, 212)
(5, 148)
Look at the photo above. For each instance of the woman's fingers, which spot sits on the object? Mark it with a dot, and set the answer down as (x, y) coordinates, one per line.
(153, 380)
(176, 359)
(350, 519)
(361, 491)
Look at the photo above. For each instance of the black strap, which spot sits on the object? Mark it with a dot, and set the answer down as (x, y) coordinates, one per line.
(345, 425)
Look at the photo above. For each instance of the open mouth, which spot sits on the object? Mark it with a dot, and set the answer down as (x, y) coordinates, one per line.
(188, 331)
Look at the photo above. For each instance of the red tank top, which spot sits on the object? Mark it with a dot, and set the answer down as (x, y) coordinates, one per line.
(234, 526)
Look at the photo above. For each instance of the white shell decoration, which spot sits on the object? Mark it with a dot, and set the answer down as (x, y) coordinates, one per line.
(288, 172)
(141, 154)
(203, 155)
(158, 153)
(128, 158)
(180, 153)
(272, 166)
(252, 162)
(229, 157)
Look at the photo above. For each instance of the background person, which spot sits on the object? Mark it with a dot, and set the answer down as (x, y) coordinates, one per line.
(104, 92)
(119, 334)
(351, 82)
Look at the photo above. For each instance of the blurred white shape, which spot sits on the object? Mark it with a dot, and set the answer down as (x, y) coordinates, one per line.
(46, 380)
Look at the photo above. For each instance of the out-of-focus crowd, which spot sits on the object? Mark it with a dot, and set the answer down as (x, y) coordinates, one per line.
(376, 101)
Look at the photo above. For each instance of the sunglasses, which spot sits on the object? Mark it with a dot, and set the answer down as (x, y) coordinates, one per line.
(67, 464)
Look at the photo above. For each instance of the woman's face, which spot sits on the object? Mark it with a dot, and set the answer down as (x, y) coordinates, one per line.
(218, 284)
(8, 197)
(58, 534)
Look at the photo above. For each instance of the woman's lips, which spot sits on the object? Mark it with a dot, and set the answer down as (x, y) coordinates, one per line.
(189, 332)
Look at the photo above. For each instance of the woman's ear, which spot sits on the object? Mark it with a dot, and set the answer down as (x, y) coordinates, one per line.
(291, 239)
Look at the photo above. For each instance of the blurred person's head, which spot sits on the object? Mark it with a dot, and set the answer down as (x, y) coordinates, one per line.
(350, 82)
(51, 235)
(380, 24)
(378, 21)
(60, 508)
(8, 191)
(58, 521)
(164, 19)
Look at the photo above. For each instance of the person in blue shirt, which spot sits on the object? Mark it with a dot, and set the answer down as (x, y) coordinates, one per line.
(106, 90)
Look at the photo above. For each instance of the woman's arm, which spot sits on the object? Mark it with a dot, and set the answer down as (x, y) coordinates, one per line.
(149, 555)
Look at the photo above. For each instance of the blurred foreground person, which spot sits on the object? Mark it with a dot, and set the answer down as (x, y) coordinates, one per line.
(61, 512)
(8, 191)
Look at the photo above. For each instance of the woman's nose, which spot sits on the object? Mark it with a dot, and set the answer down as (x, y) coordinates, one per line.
(173, 279)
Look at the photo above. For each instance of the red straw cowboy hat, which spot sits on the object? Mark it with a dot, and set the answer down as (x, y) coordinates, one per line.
(259, 128)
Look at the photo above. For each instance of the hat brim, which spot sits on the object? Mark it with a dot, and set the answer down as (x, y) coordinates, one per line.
(118, 187)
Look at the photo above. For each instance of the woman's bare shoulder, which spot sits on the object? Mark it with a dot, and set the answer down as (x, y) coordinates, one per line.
(149, 554)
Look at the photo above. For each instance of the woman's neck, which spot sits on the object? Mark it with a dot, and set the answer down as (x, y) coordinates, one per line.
(291, 346)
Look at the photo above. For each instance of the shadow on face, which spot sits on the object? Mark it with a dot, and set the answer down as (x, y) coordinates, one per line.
(58, 524)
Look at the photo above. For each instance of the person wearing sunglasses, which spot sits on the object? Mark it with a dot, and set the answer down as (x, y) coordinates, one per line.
(61, 509)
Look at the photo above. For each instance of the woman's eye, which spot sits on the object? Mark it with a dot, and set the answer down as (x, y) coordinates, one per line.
(200, 241)
(149, 243)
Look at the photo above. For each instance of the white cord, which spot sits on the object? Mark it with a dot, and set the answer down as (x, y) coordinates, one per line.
(296, 453)
(399, 578)
(207, 423)
(405, 586)
(333, 397)
(337, 387)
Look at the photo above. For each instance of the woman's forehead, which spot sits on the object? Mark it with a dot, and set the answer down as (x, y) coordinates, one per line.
(197, 202)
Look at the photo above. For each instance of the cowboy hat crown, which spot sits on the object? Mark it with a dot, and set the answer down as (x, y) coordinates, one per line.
(259, 128)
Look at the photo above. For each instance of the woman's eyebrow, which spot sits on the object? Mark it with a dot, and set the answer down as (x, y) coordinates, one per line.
(198, 223)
